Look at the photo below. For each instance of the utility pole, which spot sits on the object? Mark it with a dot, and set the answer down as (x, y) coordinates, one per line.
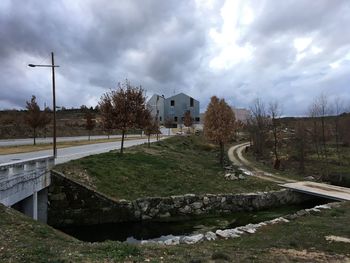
(52, 66)
(54, 104)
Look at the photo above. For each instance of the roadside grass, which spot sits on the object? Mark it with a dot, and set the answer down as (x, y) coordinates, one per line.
(174, 166)
(48, 146)
(25, 240)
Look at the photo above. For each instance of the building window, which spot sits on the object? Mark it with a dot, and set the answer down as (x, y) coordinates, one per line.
(157, 111)
(197, 119)
(160, 118)
(191, 102)
(175, 118)
(172, 103)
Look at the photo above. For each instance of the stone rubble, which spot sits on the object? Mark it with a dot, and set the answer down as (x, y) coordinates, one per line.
(238, 231)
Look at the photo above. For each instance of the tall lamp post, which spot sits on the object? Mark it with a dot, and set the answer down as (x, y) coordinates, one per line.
(52, 66)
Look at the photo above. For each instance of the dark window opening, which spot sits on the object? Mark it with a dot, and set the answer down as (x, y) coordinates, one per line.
(160, 118)
(175, 118)
(157, 111)
(191, 102)
(172, 103)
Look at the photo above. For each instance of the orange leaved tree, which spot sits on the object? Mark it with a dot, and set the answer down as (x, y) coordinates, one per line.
(125, 107)
(219, 123)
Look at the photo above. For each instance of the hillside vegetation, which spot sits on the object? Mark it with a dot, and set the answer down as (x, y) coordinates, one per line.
(69, 123)
(174, 166)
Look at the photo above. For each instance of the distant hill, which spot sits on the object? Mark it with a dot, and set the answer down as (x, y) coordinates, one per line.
(70, 122)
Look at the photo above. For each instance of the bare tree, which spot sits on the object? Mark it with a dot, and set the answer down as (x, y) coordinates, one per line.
(324, 110)
(106, 110)
(90, 122)
(169, 123)
(299, 141)
(127, 108)
(219, 123)
(314, 114)
(35, 118)
(188, 120)
(257, 126)
(151, 126)
(320, 110)
(275, 112)
(338, 108)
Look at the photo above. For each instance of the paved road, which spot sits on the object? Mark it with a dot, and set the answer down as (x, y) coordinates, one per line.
(29, 141)
(72, 153)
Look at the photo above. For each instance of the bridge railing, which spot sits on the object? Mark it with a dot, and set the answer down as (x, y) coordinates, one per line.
(19, 179)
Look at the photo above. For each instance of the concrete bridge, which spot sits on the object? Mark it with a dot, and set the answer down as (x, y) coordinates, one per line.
(333, 192)
(23, 186)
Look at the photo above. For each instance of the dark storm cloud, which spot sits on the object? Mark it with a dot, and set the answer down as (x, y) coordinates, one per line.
(92, 40)
(168, 46)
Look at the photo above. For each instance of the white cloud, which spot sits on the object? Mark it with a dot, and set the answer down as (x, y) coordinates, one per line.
(301, 44)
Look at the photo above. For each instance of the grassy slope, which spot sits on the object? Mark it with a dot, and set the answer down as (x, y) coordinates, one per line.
(25, 240)
(178, 165)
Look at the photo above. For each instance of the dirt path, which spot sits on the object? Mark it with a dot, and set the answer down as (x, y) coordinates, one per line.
(236, 156)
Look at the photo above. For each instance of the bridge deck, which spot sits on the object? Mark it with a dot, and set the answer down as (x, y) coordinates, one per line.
(323, 190)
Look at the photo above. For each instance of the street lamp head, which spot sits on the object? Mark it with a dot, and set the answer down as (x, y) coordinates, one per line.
(31, 65)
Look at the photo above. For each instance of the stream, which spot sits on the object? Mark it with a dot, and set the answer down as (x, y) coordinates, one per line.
(134, 232)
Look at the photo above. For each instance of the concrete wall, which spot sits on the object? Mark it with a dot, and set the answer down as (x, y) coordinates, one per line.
(182, 104)
(74, 204)
(156, 103)
(23, 183)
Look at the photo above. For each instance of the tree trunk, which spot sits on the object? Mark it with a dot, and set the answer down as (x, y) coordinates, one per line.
(122, 145)
(34, 136)
(221, 153)
(277, 161)
(315, 139)
(337, 139)
(302, 158)
(149, 143)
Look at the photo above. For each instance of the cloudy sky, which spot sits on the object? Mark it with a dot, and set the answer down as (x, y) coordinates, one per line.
(290, 51)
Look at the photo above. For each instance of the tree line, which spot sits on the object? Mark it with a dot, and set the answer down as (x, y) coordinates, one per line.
(323, 136)
(123, 109)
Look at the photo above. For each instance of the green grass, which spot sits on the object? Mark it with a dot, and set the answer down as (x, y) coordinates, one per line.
(178, 165)
(25, 240)
(314, 166)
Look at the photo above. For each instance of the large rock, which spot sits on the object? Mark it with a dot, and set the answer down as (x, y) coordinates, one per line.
(210, 236)
(185, 210)
(192, 239)
(228, 233)
(197, 205)
(172, 241)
